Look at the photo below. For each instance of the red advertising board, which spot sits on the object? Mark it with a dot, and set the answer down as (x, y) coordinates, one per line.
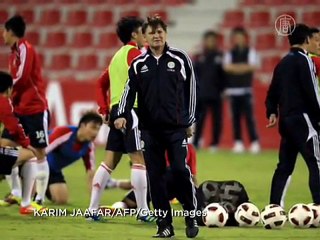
(68, 100)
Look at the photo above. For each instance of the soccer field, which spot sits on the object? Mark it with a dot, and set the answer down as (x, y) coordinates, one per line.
(254, 171)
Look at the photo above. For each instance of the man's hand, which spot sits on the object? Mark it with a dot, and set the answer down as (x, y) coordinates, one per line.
(37, 153)
(105, 118)
(272, 121)
(190, 131)
(120, 123)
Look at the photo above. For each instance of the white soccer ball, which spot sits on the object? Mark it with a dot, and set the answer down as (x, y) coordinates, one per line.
(247, 215)
(316, 214)
(273, 216)
(301, 216)
(214, 215)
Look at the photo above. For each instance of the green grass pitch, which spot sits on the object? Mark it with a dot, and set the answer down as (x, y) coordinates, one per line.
(254, 171)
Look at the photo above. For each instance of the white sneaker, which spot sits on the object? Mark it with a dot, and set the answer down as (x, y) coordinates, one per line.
(255, 147)
(238, 147)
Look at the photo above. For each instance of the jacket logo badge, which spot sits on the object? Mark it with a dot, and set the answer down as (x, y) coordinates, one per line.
(171, 65)
(144, 69)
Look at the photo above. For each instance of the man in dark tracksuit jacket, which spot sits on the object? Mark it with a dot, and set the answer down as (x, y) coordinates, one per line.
(209, 71)
(294, 93)
(165, 84)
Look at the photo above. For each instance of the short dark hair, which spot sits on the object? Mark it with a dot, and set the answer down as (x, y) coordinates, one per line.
(90, 117)
(210, 33)
(299, 35)
(6, 81)
(154, 22)
(126, 26)
(240, 30)
(17, 25)
(313, 30)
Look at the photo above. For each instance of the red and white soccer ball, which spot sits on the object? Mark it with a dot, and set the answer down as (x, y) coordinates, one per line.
(316, 214)
(301, 215)
(214, 215)
(247, 215)
(273, 216)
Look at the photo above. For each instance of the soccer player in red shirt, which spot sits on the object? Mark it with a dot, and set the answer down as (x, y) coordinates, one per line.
(10, 156)
(28, 97)
(110, 87)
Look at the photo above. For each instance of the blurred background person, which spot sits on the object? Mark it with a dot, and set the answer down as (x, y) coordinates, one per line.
(240, 63)
(208, 68)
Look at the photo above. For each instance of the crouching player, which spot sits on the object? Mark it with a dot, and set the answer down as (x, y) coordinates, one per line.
(10, 156)
(68, 144)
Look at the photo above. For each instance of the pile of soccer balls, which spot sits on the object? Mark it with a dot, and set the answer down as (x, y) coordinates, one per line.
(272, 216)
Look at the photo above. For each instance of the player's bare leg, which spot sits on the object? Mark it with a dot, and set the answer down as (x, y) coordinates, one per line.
(100, 179)
(59, 193)
(8, 143)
